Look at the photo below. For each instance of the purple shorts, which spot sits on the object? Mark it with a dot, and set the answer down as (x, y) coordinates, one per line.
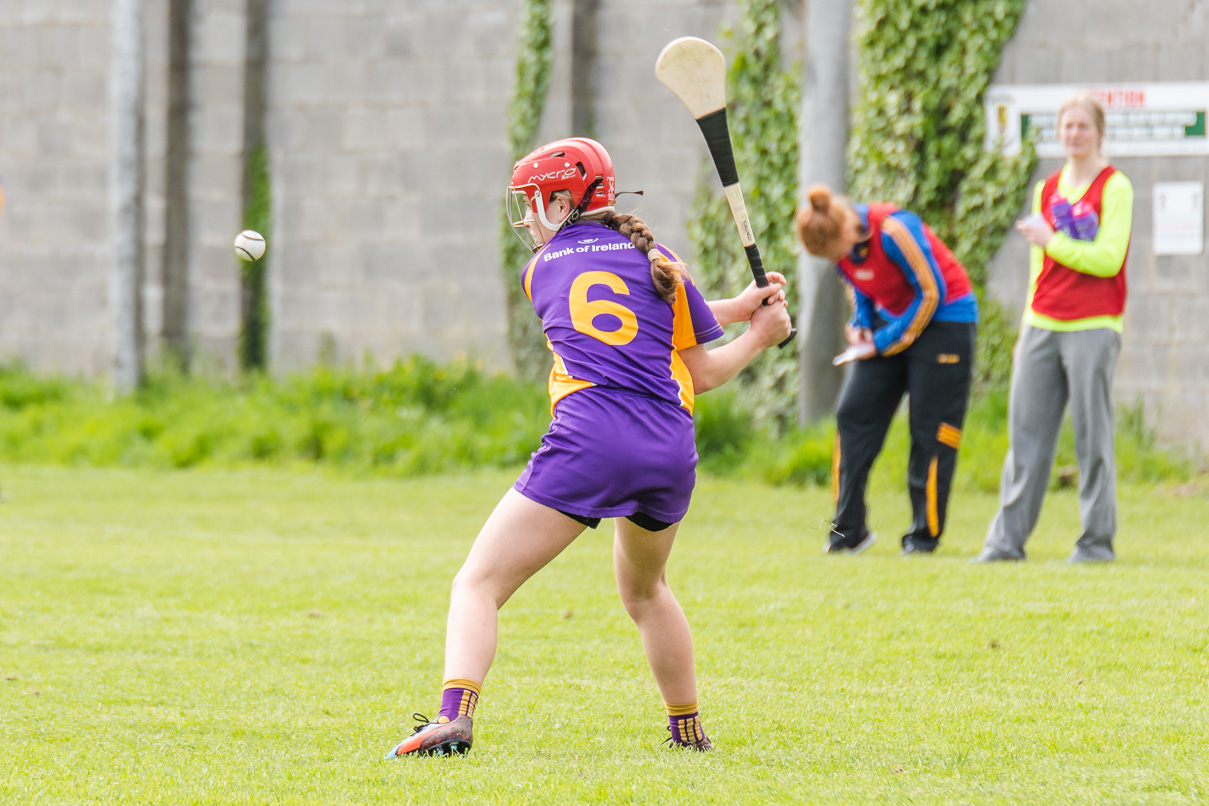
(609, 454)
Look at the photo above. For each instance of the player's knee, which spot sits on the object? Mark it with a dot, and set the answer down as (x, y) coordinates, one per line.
(636, 594)
(459, 585)
(468, 583)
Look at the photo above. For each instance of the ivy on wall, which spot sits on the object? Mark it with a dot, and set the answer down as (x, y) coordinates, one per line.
(917, 141)
(533, 57)
(763, 115)
(254, 319)
(918, 129)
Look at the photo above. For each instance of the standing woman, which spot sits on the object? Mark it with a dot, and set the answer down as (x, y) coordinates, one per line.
(1069, 341)
(627, 329)
(912, 331)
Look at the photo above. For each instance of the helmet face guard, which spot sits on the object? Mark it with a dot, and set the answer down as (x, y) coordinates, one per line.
(577, 165)
(526, 204)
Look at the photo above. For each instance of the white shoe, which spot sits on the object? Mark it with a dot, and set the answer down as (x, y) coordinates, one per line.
(870, 539)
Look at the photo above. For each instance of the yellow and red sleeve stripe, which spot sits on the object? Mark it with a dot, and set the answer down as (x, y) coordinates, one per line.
(921, 268)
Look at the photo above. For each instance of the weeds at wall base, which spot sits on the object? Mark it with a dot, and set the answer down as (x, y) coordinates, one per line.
(419, 417)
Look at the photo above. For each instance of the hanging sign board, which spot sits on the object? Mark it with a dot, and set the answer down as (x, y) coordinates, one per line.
(1142, 120)
(1179, 218)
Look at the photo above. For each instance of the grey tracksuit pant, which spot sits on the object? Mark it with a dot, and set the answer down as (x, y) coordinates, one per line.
(1050, 369)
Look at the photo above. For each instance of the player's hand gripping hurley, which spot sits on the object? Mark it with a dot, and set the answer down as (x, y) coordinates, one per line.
(696, 71)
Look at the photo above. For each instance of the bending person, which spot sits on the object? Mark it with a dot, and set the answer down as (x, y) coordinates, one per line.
(627, 328)
(912, 332)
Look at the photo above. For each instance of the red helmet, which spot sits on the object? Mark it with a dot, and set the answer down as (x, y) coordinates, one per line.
(577, 165)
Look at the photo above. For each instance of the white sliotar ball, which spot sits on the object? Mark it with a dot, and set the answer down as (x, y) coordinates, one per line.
(249, 245)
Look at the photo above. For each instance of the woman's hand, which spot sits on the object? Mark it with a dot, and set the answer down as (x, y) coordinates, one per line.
(752, 298)
(771, 324)
(856, 352)
(1036, 230)
(857, 335)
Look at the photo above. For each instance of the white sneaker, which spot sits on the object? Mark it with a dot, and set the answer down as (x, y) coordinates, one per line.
(832, 548)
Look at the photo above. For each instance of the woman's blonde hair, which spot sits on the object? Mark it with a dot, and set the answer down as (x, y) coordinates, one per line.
(1092, 107)
(821, 223)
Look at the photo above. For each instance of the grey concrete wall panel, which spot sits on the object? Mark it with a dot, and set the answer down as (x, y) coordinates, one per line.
(56, 247)
(386, 126)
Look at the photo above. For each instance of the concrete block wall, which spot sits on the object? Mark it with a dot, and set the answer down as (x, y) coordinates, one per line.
(389, 164)
(656, 146)
(1164, 365)
(386, 127)
(55, 155)
(216, 122)
(155, 144)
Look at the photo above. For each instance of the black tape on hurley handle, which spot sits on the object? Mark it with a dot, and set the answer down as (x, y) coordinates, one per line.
(717, 138)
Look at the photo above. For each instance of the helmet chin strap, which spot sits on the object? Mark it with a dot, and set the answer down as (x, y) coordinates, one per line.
(584, 202)
(540, 206)
(541, 216)
(571, 217)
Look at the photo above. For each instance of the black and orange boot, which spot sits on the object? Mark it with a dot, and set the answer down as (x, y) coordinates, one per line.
(444, 737)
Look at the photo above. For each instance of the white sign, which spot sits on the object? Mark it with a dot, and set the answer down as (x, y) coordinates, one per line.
(1142, 120)
(1179, 218)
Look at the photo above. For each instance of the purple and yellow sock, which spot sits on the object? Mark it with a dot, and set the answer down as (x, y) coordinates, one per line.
(458, 698)
(685, 723)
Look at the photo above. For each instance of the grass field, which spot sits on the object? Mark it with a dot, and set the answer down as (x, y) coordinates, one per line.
(263, 637)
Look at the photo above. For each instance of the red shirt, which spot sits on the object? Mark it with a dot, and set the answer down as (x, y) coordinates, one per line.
(1064, 293)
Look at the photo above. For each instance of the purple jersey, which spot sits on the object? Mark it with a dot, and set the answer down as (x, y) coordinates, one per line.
(623, 444)
(605, 322)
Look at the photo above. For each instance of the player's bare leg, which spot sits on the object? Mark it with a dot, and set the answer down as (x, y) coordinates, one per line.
(640, 562)
(520, 538)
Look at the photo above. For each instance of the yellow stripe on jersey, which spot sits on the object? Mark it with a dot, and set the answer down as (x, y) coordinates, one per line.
(948, 435)
(683, 337)
(528, 273)
(684, 380)
(922, 269)
(529, 279)
(561, 383)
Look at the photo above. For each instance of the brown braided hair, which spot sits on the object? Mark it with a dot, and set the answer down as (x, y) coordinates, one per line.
(667, 275)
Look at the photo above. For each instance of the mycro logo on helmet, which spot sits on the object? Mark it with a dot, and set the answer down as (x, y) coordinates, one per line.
(565, 173)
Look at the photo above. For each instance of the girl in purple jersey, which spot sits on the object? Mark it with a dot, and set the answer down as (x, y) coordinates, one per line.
(627, 329)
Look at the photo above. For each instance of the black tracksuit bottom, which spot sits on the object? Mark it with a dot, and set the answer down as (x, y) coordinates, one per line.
(935, 373)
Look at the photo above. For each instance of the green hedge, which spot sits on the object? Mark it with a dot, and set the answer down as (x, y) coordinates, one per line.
(416, 417)
(419, 417)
